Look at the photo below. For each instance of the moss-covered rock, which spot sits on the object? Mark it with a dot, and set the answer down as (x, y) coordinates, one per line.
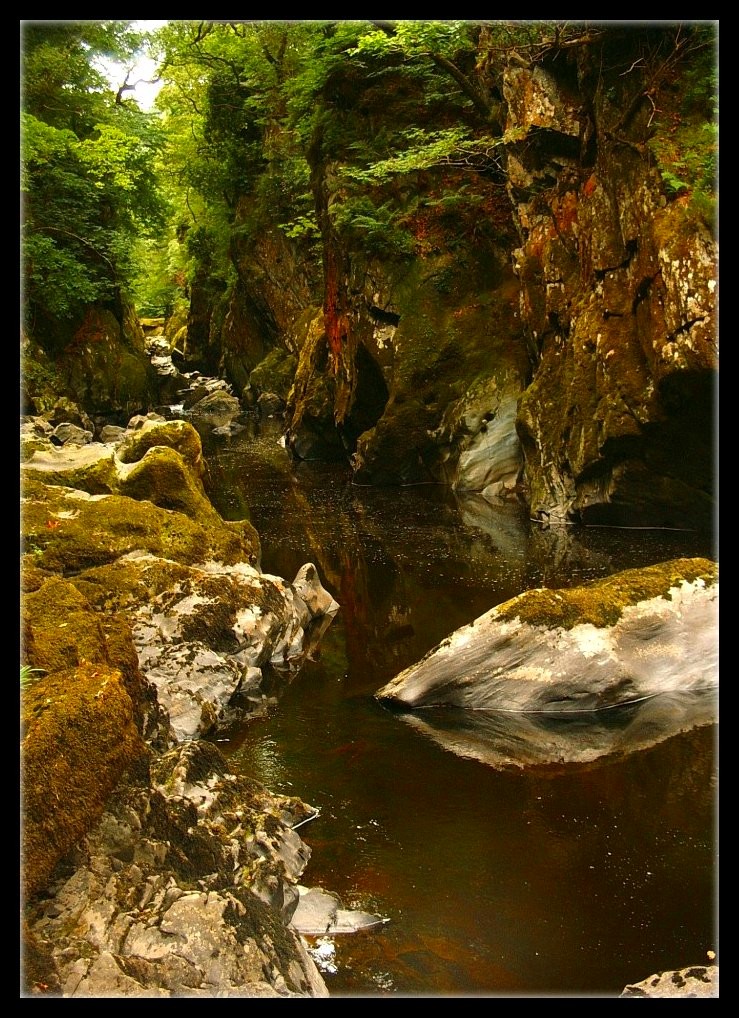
(275, 373)
(105, 367)
(66, 531)
(178, 435)
(79, 739)
(614, 641)
(163, 477)
(61, 628)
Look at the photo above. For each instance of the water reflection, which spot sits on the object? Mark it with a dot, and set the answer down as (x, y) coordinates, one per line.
(503, 739)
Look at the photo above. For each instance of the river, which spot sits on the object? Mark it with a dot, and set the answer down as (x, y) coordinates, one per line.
(559, 880)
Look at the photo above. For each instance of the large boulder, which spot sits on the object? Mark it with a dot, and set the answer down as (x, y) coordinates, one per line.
(614, 641)
(182, 888)
(105, 368)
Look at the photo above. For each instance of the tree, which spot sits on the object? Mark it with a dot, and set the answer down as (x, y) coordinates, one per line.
(88, 182)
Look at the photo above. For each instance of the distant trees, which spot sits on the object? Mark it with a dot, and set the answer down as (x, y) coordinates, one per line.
(88, 181)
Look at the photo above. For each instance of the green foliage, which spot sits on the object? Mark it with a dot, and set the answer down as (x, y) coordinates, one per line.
(87, 173)
(30, 675)
(453, 146)
(685, 143)
(303, 227)
(373, 228)
(417, 38)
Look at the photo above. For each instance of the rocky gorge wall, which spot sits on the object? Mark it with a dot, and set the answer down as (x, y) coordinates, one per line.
(557, 340)
(618, 291)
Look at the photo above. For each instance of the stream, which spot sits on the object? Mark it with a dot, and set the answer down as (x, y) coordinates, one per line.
(571, 880)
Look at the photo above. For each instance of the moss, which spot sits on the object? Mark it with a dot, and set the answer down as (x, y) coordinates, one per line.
(60, 629)
(275, 373)
(178, 435)
(67, 534)
(80, 739)
(191, 850)
(602, 602)
(252, 920)
(163, 478)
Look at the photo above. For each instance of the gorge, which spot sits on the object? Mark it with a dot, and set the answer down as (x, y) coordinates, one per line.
(423, 315)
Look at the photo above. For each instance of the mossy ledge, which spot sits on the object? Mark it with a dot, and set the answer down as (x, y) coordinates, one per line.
(602, 602)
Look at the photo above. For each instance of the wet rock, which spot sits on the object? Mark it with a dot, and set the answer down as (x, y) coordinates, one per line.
(618, 293)
(220, 404)
(139, 420)
(191, 396)
(308, 586)
(631, 635)
(230, 429)
(269, 403)
(274, 375)
(164, 899)
(70, 434)
(319, 913)
(694, 981)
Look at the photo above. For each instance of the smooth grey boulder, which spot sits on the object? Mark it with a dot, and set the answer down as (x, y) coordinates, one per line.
(614, 641)
(308, 586)
(319, 913)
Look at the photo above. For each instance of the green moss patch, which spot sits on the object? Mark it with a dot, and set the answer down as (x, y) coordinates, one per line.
(79, 740)
(602, 602)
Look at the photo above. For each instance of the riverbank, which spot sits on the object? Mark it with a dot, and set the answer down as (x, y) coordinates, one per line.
(391, 571)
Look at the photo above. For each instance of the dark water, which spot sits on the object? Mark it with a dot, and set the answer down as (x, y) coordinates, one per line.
(572, 880)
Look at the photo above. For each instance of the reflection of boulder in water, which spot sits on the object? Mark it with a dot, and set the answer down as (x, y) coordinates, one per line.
(506, 739)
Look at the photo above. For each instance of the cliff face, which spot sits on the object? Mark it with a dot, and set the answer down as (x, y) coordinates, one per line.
(618, 291)
(575, 364)
(534, 316)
